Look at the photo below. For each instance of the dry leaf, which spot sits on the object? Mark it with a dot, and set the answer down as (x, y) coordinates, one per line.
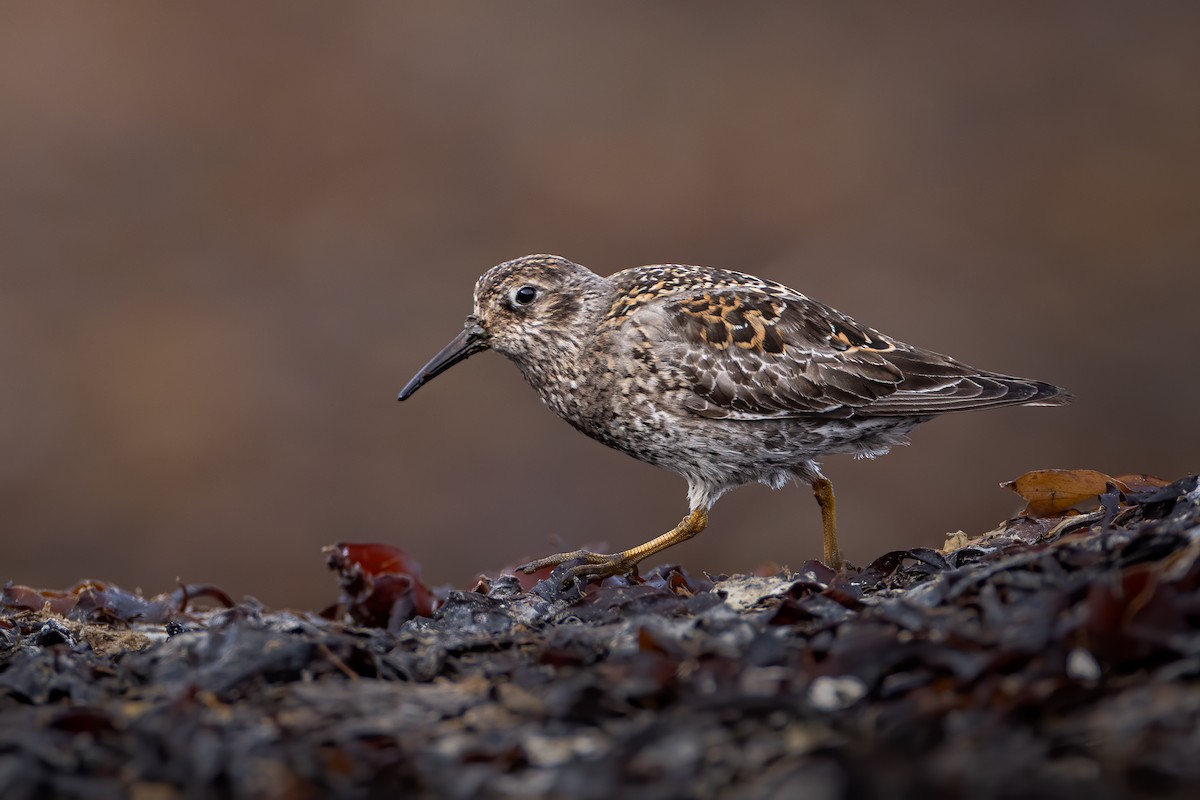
(955, 541)
(1050, 492)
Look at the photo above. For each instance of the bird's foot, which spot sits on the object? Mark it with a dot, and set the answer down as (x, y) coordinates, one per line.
(595, 566)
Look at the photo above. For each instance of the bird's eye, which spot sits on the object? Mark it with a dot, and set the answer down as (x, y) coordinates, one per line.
(525, 295)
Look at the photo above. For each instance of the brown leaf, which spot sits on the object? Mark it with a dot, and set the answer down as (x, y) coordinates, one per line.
(1050, 492)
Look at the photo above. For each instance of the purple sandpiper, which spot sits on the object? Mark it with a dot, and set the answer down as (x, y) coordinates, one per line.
(719, 376)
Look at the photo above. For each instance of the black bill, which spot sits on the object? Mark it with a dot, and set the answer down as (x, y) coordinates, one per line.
(472, 340)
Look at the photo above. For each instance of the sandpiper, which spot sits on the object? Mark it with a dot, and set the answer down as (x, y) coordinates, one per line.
(719, 376)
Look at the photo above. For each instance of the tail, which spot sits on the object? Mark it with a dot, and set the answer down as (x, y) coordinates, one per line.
(1045, 394)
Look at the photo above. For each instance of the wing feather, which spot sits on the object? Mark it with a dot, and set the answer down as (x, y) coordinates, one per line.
(751, 349)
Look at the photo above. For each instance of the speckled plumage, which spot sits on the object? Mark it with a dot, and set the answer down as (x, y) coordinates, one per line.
(719, 376)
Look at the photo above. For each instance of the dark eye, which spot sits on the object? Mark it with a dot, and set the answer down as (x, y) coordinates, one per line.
(525, 295)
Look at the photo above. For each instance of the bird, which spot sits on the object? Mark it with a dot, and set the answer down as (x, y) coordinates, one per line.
(722, 377)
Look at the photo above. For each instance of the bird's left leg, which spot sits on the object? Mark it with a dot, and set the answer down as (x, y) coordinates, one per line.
(601, 565)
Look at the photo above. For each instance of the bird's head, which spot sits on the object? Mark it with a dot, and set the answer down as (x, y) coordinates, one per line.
(532, 309)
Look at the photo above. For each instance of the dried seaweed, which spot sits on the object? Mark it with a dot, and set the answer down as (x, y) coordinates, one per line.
(1053, 657)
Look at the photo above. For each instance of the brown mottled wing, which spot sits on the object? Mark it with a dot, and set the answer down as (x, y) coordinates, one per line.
(763, 351)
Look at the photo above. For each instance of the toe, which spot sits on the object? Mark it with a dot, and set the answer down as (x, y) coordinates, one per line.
(550, 561)
(600, 568)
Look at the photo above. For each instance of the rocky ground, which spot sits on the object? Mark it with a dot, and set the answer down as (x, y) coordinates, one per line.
(1057, 656)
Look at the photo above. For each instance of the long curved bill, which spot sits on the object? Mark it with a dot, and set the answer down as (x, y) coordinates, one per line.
(471, 340)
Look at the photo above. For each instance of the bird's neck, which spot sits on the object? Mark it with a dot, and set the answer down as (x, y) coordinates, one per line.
(557, 379)
(559, 368)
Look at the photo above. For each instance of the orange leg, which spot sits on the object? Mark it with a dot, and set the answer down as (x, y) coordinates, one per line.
(601, 565)
(823, 490)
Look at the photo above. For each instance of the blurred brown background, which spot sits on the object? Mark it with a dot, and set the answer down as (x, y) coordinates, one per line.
(231, 232)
